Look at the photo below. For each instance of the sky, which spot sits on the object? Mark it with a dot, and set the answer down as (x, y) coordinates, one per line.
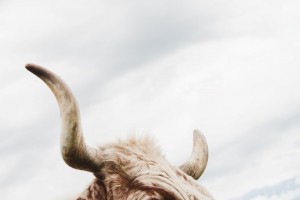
(163, 68)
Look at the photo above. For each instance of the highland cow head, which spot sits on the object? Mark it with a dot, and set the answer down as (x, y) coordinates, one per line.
(133, 169)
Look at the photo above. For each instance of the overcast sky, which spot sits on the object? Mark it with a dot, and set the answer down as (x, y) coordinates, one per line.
(159, 67)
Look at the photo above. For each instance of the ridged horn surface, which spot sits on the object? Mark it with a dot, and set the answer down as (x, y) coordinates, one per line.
(73, 148)
(197, 162)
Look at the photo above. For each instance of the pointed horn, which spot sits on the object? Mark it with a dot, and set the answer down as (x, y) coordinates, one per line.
(197, 162)
(73, 148)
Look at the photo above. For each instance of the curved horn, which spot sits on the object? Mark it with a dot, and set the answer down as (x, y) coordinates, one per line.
(73, 148)
(197, 162)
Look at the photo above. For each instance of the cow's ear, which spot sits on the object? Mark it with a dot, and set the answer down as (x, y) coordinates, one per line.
(95, 191)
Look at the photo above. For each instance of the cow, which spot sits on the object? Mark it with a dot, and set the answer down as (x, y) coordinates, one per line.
(132, 169)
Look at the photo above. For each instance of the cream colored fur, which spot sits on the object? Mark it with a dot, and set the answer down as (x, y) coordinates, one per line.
(135, 169)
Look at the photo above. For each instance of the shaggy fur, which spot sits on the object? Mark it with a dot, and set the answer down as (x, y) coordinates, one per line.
(135, 169)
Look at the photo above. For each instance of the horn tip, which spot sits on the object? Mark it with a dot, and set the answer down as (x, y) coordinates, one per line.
(197, 134)
(30, 66)
(199, 138)
(36, 69)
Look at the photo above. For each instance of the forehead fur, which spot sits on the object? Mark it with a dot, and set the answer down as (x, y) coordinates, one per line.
(134, 153)
(134, 146)
(136, 169)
